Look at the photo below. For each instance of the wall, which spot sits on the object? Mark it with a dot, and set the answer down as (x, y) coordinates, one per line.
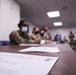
(31, 26)
(0, 12)
(62, 31)
(10, 17)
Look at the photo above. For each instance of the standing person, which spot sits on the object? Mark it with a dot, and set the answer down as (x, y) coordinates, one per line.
(55, 38)
(71, 38)
(21, 36)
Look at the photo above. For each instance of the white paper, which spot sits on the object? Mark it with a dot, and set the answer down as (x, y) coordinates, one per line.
(41, 49)
(42, 42)
(29, 44)
(23, 64)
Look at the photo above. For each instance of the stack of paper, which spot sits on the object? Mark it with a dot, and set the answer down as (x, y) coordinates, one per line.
(23, 64)
(41, 49)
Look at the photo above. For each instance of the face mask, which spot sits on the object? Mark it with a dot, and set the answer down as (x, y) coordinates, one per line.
(36, 32)
(42, 34)
(24, 29)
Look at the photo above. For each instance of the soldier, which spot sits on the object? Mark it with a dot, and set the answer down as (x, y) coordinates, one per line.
(35, 32)
(42, 34)
(43, 37)
(71, 38)
(21, 36)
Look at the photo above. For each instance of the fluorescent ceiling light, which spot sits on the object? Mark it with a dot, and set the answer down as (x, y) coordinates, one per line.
(57, 23)
(53, 14)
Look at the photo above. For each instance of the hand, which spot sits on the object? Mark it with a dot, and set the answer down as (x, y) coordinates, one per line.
(37, 42)
(47, 41)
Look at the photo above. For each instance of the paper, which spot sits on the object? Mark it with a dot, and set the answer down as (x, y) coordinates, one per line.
(42, 42)
(29, 44)
(41, 49)
(23, 64)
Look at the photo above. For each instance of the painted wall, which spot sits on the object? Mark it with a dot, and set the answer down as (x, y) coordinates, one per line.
(10, 17)
(0, 12)
(62, 31)
(31, 26)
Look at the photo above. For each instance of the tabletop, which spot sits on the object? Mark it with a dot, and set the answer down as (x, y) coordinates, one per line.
(66, 64)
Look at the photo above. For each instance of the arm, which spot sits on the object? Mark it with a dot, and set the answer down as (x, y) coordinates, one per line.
(36, 41)
(16, 37)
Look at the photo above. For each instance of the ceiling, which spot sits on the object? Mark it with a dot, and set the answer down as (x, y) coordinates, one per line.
(35, 11)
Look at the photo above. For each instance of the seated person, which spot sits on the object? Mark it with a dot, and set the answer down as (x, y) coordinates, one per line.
(35, 32)
(21, 36)
(65, 40)
(59, 38)
(42, 36)
(49, 36)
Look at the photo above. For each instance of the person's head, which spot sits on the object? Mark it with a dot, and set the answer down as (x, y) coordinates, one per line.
(42, 32)
(70, 32)
(36, 30)
(23, 26)
(64, 37)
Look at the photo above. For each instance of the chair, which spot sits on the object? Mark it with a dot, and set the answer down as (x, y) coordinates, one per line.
(4, 43)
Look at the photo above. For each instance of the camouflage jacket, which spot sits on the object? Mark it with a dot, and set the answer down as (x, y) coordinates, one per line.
(35, 37)
(42, 37)
(17, 37)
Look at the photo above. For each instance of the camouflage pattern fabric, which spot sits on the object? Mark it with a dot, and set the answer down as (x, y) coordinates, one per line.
(17, 37)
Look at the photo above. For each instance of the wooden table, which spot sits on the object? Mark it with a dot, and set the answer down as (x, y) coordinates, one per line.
(66, 65)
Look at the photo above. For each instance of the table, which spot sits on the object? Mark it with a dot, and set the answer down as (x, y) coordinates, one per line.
(66, 65)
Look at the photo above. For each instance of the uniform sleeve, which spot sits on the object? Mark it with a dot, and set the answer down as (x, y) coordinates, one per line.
(31, 40)
(15, 36)
(35, 37)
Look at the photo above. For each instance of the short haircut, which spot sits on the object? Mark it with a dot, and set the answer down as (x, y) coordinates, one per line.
(43, 30)
(34, 29)
(20, 23)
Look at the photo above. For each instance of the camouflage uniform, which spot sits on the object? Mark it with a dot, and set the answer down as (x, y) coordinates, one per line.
(17, 37)
(71, 38)
(35, 37)
(42, 37)
(47, 37)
